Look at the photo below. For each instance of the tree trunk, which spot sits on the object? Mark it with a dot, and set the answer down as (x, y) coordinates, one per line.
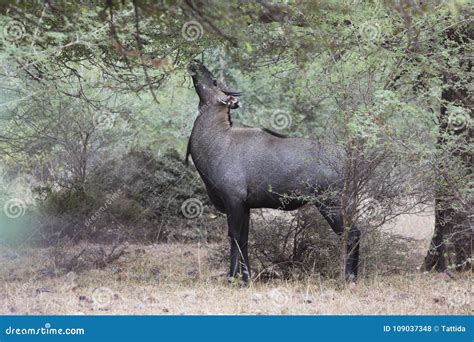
(452, 238)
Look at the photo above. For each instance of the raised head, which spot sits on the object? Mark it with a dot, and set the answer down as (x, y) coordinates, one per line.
(210, 90)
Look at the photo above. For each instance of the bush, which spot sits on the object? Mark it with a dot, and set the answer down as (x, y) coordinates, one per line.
(293, 246)
(134, 198)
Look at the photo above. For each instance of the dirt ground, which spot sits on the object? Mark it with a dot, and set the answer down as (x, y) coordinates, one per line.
(177, 279)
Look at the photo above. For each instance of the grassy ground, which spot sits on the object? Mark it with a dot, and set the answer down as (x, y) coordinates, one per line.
(178, 279)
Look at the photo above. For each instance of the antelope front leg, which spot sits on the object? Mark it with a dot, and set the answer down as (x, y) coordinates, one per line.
(352, 264)
(237, 220)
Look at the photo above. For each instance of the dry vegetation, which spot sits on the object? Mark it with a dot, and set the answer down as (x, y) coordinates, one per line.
(97, 109)
(180, 279)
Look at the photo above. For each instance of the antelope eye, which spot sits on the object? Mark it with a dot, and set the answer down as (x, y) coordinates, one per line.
(214, 82)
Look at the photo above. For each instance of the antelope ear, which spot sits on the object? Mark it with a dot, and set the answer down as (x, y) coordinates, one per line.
(233, 102)
(231, 92)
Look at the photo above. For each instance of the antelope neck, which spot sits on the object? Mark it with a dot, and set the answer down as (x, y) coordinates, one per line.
(215, 118)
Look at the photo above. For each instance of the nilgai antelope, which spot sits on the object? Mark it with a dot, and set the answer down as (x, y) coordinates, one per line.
(245, 168)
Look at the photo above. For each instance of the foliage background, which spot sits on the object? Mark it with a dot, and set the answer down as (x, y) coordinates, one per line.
(96, 105)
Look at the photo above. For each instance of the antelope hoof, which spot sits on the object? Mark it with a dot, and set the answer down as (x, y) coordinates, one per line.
(238, 280)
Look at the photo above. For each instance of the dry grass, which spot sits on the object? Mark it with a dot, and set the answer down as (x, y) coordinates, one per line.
(177, 279)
